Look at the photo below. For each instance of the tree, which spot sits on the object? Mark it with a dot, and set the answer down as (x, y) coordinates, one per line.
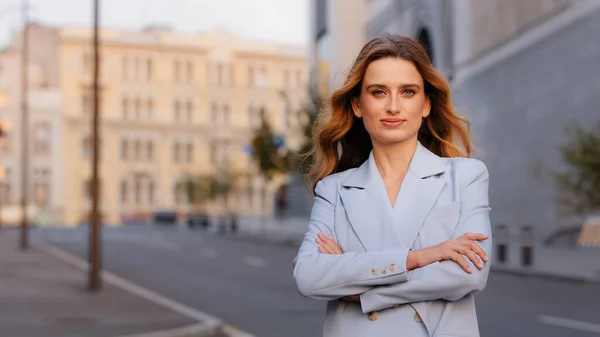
(580, 184)
(265, 150)
(308, 114)
(204, 188)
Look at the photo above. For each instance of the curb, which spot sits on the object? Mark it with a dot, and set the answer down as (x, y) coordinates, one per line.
(545, 275)
(207, 325)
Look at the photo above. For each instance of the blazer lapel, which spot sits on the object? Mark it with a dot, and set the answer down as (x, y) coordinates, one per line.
(362, 192)
(419, 192)
(361, 208)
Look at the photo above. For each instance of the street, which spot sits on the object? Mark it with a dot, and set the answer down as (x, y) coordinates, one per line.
(249, 285)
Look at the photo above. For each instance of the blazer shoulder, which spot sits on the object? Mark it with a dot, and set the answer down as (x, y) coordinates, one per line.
(333, 182)
(468, 170)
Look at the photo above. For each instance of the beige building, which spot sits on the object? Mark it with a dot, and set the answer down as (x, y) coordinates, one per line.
(171, 106)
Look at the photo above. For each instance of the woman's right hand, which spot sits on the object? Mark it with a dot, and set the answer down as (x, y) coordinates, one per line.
(451, 250)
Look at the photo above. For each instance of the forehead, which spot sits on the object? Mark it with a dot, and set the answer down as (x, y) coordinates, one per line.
(392, 71)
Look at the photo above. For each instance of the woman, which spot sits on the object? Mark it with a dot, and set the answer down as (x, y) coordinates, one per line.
(399, 235)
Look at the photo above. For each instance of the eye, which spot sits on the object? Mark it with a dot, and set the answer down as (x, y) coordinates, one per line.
(378, 92)
(408, 92)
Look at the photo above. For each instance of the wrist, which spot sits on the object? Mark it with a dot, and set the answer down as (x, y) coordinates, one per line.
(413, 260)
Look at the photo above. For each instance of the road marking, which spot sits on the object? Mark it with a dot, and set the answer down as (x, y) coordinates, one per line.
(570, 323)
(177, 332)
(256, 262)
(207, 321)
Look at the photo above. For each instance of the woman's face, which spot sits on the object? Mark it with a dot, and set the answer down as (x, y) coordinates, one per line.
(392, 101)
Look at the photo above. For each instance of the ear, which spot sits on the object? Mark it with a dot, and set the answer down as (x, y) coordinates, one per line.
(356, 107)
(427, 107)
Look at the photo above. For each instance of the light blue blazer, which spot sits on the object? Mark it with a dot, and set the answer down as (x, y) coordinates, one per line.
(440, 199)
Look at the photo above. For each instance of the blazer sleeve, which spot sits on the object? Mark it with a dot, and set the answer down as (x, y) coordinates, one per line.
(327, 277)
(446, 279)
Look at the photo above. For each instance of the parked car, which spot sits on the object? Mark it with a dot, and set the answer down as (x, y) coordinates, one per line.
(201, 220)
(165, 217)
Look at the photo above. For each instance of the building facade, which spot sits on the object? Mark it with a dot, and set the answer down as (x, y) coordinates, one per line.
(521, 71)
(172, 106)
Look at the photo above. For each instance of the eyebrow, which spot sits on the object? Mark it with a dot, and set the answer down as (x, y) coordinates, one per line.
(403, 86)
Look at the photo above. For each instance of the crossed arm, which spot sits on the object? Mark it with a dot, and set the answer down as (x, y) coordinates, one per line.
(449, 271)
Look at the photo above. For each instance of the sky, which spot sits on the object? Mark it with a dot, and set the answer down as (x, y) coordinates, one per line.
(284, 21)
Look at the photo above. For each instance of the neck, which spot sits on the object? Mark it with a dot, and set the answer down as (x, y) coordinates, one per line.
(393, 160)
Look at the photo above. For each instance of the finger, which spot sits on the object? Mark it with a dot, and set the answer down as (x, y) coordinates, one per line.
(332, 245)
(472, 256)
(461, 262)
(335, 245)
(475, 236)
(479, 251)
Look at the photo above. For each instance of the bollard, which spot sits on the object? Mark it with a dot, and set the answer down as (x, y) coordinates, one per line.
(501, 237)
(234, 226)
(526, 246)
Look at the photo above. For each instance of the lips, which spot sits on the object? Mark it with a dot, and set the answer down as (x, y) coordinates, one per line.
(393, 121)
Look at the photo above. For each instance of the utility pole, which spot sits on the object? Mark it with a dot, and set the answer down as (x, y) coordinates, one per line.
(24, 128)
(95, 282)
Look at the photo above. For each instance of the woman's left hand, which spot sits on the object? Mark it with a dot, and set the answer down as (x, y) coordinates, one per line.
(327, 245)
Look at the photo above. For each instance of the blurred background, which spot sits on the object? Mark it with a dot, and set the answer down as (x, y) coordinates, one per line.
(202, 110)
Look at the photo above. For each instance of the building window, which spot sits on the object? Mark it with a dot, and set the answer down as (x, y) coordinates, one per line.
(87, 190)
(176, 71)
(176, 108)
(124, 149)
(190, 111)
(41, 194)
(250, 191)
(176, 154)
(225, 117)
(138, 191)
(86, 148)
(189, 153)
(150, 150)
(286, 79)
(87, 63)
(150, 107)
(124, 192)
(231, 76)
(288, 115)
(151, 192)
(425, 41)
(138, 108)
(213, 113)
(299, 78)
(137, 149)
(149, 69)
(42, 141)
(85, 103)
(250, 76)
(124, 68)
(213, 152)
(190, 72)
(262, 78)
(137, 69)
(219, 74)
(125, 108)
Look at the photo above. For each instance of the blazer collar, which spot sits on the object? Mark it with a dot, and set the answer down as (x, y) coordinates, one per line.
(423, 164)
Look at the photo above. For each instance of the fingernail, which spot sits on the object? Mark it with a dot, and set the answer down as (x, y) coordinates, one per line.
(469, 270)
(485, 259)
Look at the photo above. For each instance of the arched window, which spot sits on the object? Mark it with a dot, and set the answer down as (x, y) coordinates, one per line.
(425, 40)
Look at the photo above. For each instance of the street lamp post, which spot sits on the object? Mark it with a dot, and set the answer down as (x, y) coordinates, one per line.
(24, 129)
(95, 282)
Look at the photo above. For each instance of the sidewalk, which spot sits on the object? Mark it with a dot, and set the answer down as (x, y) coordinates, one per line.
(41, 295)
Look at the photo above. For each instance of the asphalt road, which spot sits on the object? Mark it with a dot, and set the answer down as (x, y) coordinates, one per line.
(249, 285)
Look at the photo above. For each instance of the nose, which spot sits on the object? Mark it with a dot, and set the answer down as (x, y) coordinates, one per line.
(393, 105)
